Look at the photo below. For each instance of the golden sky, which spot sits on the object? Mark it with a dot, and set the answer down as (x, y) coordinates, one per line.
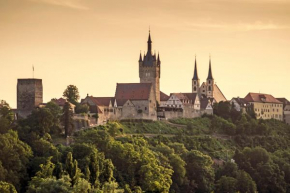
(94, 44)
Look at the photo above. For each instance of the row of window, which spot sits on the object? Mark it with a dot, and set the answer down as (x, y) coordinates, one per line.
(265, 110)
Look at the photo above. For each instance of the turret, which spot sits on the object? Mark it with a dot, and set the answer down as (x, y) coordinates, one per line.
(195, 80)
(210, 81)
(149, 69)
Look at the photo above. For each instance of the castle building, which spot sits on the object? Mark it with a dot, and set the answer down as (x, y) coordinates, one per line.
(144, 100)
(149, 69)
(29, 96)
(265, 106)
(207, 89)
(286, 109)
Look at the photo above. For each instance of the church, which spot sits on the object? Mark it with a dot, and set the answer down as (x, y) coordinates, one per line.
(144, 100)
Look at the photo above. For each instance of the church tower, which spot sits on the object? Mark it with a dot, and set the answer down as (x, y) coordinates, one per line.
(195, 80)
(210, 82)
(149, 69)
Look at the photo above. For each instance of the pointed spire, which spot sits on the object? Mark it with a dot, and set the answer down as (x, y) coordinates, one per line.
(149, 42)
(140, 58)
(158, 58)
(195, 74)
(209, 70)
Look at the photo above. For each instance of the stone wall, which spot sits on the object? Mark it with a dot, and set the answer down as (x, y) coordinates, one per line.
(29, 96)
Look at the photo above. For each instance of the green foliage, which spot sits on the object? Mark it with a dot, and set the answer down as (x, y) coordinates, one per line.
(14, 156)
(6, 116)
(81, 108)
(7, 187)
(67, 119)
(71, 93)
(226, 184)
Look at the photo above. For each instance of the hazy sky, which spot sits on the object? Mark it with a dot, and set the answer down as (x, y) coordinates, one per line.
(94, 44)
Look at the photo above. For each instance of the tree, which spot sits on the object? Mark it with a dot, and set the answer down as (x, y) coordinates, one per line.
(6, 116)
(71, 167)
(67, 119)
(199, 171)
(71, 93)
(7, 187)
(245, 182)
(14, 156)
(56, 116)
(82, 108)
(226, 184)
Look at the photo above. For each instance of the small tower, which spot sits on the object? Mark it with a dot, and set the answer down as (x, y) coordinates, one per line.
(29, 96)
(210, 82)
(195, 80)
(149, 69)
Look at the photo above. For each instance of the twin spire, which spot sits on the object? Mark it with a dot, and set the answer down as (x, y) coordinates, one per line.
(195, 74)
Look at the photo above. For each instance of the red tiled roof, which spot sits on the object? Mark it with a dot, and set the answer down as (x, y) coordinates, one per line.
(103, 101)
(133, 91)
(163, 96)
(262, 98)
(60, 101)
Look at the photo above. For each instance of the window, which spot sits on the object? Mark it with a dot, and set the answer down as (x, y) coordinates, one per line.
(194, 88)
(145, 108)
(209, 88)
(209, 82)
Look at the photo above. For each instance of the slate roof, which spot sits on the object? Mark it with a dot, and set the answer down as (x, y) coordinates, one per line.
(204, 102)
(240, 101)
(185, 96)
(133, 91)
(262, 98)
(163, 96)
(284, 101)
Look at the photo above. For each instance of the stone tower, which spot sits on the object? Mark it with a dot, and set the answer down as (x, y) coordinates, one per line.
(149, 69)
(210, 82)
(195, 80)
(29, 96)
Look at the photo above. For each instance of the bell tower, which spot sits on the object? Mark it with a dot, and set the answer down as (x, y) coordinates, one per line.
(195, 80)
(149, 69)
(210, 82)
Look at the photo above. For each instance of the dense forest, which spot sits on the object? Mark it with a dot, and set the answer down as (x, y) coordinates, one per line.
(225, 152)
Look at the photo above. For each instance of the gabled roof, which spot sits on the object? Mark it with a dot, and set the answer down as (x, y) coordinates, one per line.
(103, 101)
(240, 101)
(60, 101)
(163, 96)
(262, 98)
(204, 103)
(185, 96)
(284, 101)
(133, 91)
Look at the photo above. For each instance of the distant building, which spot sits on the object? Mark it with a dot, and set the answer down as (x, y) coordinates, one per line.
(240, 104)
(29, 96)
(208, 89)
(286, 109)
(265, 106)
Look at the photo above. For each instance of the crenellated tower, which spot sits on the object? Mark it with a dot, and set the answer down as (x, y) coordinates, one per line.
(210, 82)
(149, 69)
(195, 80)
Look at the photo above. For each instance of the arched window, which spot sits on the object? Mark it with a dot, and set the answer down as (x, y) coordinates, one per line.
(209, 82)
(194, 88)
(209, 88)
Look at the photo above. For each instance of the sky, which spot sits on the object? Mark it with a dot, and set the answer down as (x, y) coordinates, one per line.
(95, 44)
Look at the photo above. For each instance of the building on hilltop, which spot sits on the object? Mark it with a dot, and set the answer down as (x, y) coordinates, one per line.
(286, 109)
(149, 69)
(240, 104)
(265, 106)
(29, 96)
(208, 89)
(131, 101)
